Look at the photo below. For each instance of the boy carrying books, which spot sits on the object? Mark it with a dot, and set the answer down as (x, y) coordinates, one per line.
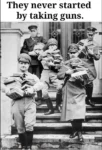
(21, 88)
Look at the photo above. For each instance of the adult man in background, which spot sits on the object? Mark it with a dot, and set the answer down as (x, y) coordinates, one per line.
(28, 46)
(89, 51)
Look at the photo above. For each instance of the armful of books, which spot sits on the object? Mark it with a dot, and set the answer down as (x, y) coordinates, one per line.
(13, 88)
(79, 73)
(15, 93)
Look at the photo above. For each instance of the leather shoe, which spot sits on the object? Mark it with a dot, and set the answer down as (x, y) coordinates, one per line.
(80, 138)
(49, 112)
(89, 102)
(73, 135)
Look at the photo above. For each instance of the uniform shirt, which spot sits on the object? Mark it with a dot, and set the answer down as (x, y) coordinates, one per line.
(35, 80)
(87, 58)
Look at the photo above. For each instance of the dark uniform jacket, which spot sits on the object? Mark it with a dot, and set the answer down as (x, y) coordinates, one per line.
(89, 60)
(28, 46)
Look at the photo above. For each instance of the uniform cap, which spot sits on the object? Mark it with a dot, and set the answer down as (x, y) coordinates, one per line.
(91, 30)
(24, 58)
(73, 48)
(52, 41)
(34, 26)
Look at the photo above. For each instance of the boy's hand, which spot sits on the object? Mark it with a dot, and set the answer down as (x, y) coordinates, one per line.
(69, 72)
(32, 53)
(50, 51)
(90, 51)
(29, 91)
(7, 91)
(25, 87)
(35, 89)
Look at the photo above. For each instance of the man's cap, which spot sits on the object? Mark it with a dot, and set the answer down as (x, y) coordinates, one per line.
(91, 30)
(34, 26)
(24, 58)
(73, 48)
(52, 41)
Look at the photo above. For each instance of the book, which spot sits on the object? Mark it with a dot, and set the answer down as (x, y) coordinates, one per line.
(80, 73)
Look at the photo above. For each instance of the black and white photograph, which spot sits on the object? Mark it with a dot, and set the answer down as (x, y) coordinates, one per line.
(51, 85)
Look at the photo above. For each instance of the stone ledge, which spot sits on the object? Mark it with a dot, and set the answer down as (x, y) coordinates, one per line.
(9, 30)
(10, 141)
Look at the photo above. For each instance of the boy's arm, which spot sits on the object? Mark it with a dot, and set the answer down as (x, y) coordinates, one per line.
(62, 72)
(42, 55)
(94, 52)
(38, 85)
(96, 56)
(32, 53)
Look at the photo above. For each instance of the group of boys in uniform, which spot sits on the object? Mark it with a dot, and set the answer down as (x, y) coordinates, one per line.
(44, 56)
(49, 71)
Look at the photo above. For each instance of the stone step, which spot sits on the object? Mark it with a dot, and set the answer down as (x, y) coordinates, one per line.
(62, 128)
(58, 121)
(58, 115)
(90, 117)
(94, 95)
(52, 141)
(66, 124)
(98, 108)
(95, 99)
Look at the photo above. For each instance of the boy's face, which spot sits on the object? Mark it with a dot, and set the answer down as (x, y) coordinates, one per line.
(50, 62)
(90, 35)
(33, 33)
(53, 47)
(72, 55)
(23, 66)
(38, 49)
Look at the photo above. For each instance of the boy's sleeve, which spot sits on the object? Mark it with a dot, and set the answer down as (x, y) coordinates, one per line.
(96, 52)
(62, 72)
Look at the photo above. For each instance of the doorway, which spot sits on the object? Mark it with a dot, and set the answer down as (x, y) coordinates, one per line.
(66, 33)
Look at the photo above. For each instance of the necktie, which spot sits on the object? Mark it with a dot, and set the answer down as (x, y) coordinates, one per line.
(24, 76)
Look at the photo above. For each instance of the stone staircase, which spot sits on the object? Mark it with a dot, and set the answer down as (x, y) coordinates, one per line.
(49, 131)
